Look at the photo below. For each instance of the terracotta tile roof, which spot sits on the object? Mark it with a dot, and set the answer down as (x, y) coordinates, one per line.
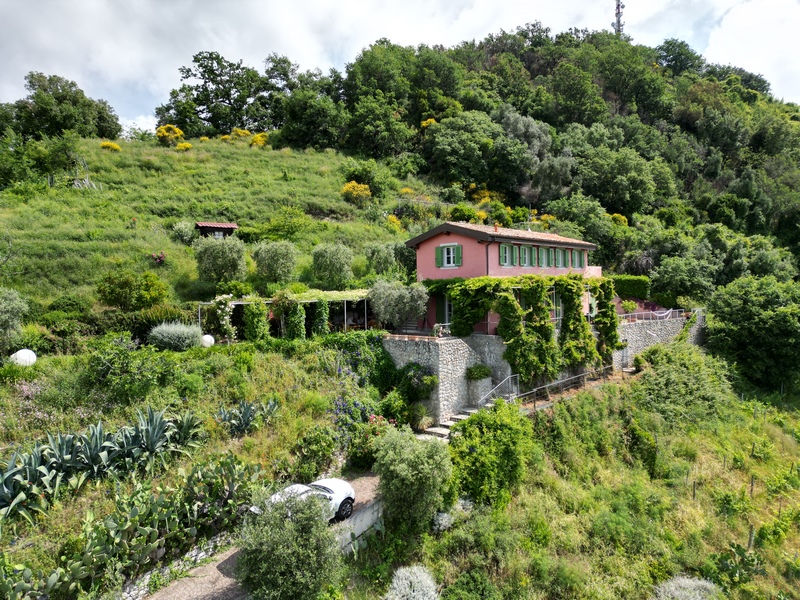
(488, 232)
(216, 225)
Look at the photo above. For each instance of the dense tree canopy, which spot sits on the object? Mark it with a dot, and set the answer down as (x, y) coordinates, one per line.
(55, 105)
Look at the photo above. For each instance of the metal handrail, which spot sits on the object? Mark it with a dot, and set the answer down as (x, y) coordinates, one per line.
(672, 313)
(565, 384)
(508, 389)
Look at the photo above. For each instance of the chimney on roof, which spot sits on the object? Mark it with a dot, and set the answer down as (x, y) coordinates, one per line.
(495, 226)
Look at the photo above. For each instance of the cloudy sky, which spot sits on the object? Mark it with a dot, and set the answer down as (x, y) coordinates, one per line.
(129, 52)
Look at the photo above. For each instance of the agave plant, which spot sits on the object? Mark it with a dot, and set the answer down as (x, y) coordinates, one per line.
(35, 467)
(94, 450)
(63, 452)
(125, 448)
(156, 434)
(246, 416)
(19, 496)
(188, 431)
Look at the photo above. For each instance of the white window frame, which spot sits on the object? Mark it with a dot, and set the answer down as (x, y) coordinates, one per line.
(449, 256)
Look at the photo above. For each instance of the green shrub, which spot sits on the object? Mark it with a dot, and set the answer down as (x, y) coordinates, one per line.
(370, 173)
(74, 305)
(220, 259)
(237, 289)
(12, 309)
(414, 475)
(490, 452)
(184, 232)
(313, 453)
(631, 286)
(130, 291)
(288, 552)
(361, 453)
(472, 585)
(175, 336)
(416, 382)
(479, 371)
(122, 370)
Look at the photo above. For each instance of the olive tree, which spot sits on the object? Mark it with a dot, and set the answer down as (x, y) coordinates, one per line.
(288, 551)
(414, 475)
(276, 260)
(332, 265)
(220, 259)
(394, 303)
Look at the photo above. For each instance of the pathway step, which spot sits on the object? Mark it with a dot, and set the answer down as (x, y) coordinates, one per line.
(449, 423)
(442, 432)
(471, 411)
(461, 416)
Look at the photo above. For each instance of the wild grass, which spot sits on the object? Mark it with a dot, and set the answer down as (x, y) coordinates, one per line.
(65, 238)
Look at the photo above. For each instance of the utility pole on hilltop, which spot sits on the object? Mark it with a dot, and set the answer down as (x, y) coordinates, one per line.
(617, 25)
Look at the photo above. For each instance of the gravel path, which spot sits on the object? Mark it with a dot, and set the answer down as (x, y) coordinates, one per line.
(215, 580)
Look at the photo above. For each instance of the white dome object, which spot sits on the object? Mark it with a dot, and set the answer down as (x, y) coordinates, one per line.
(24, 357)
(207, 341)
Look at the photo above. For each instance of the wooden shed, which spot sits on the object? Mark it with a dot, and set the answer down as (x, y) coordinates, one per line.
(215, 230)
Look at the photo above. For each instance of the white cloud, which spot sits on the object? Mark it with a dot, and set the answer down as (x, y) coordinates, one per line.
(761, 36)
(129, 52)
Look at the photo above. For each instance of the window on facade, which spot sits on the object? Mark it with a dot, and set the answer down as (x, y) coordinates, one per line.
(577, 259)
(218, 235)
(509, 255)
(448, 257)
(525, 256)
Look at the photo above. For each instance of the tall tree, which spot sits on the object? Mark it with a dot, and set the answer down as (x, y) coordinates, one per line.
(222, 94)
(56, 104)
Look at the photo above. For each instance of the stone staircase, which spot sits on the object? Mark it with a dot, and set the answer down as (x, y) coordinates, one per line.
(442, 430)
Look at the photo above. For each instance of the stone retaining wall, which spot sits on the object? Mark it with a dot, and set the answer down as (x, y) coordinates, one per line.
(450, 357)
(640, 335)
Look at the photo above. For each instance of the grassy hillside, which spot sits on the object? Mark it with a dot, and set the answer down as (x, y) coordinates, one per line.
(66, 238)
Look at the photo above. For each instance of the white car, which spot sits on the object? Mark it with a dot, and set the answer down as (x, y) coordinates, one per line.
(338, 494)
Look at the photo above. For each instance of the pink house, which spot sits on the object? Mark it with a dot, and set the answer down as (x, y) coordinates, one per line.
(466, 250)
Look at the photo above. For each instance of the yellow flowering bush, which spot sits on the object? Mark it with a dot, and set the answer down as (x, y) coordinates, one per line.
(546, 220)
(393, 224)
(407, 191)
(183, 147)
(203, 138)
(110, 146)
(240, 133)
(356, 193)
(259, 140)
(481, 216)
(168, 135)
(427, 123)
(226, 139)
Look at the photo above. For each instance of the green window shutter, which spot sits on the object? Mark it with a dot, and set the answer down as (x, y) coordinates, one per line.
(439, 256)
(439, 299)
(575, 259)
(551, 257)
(458, 255)
(581, 261)
(532, 260)
(503, 254)
(515, 257)
(542, 256)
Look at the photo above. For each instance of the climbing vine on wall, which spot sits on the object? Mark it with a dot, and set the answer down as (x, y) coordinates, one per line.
(578, 346)
(471, 300)
(605, 321)
(524, 306)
